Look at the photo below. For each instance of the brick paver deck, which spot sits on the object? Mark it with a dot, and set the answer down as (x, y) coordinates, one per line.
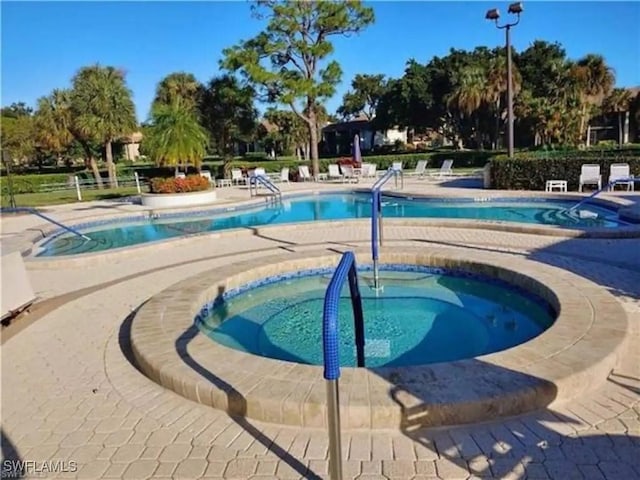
(70, 392)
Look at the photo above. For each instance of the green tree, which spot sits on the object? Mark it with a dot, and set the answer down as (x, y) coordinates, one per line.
(179, 84)
(103, 109)
(364, 97)
(16, 110)
(618, 102)
(174, 136)
(53, 123)
(228, 113)
(17, 137)
(290, 132)
(594, 80)
(287, 60)
(541, 65)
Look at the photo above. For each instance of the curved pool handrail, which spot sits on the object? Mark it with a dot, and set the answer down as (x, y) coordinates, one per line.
(608, 186)
(376, 220)
(33, 211)
(331, 350)
(253, 181)
(330, 324)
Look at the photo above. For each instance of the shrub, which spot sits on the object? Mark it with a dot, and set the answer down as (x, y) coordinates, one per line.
(192, 183)
(530, 172)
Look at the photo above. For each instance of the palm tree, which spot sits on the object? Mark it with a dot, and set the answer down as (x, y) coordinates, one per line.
(179, 84)
(496, 88)
(469, 95)
(594, 79)
(175, 136)
(618, 102)
(53, 122)
(103, 108)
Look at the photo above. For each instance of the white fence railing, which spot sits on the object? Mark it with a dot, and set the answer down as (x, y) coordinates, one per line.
(79, 184)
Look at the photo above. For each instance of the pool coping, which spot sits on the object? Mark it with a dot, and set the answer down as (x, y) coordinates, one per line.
(573, 356)
(39, 240)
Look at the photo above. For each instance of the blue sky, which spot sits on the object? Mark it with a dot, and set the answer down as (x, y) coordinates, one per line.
(43, 44)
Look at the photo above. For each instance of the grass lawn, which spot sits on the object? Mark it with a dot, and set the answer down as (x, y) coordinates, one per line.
(67, 196)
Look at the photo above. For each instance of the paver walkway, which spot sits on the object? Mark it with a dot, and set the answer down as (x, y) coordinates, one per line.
(69, 392)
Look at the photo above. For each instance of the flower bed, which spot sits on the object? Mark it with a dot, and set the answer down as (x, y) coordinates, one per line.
(179, 192)
(191, 183)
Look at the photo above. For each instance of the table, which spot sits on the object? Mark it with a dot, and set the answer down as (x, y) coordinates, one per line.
(561, 185)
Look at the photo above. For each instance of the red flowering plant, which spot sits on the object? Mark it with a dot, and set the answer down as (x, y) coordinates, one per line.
(192, 183)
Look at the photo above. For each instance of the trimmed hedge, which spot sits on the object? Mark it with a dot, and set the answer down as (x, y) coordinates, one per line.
(531, 173)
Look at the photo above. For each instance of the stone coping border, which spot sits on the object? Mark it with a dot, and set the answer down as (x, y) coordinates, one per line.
(574, 355)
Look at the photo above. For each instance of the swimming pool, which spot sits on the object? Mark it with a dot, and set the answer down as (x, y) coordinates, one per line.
(423, 315)
(123, 233)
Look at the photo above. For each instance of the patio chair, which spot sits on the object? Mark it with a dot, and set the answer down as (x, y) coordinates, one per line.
(206, 174)
(590, 175)
(303, 173)
(348, 173)
(420, 170)
(284, 174)
(181, 175)
(236, 176)
(334, 172)
(371, 171)
(619, 172)
(445, 169)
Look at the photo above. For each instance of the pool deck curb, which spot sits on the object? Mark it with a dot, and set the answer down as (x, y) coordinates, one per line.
(573, 356)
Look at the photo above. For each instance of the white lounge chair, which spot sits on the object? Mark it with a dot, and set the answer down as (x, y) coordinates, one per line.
(590, 175)
(445, 169)
(206, 174)
(181, 175)
(303, 173)
(284, 174)
(349, 174)
(334, 172)
(619, 172)
(420, 170)
(258, 172)
(236, 176)
(368, 170)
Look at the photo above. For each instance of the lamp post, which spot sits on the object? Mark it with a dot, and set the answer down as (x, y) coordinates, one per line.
(494, 14)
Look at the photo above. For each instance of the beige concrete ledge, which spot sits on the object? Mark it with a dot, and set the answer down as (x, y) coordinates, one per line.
(574, 355)
(178, 200)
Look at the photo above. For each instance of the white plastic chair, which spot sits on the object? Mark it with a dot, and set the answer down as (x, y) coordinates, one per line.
(236, 176)
(445, 169)
(334, 172)
(284, 174)
(590, 175)
(303, 173)
(180, 175)
(620, 172)
(206, 174)
(421, 168)
(396, 166)
(349, 174)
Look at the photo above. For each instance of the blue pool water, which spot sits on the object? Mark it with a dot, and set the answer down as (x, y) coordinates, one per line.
(421, 316)
(324, 207)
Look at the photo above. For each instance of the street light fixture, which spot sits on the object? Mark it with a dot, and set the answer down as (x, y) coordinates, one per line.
(494, 15)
